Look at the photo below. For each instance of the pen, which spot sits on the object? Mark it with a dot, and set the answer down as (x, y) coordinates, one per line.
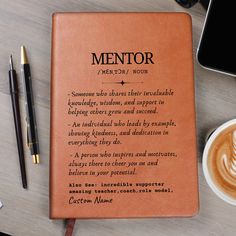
(32, 134)
(16, 113)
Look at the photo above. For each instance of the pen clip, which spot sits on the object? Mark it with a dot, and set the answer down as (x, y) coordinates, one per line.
(27, 133)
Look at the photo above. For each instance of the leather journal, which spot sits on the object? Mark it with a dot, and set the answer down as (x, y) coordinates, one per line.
(123, 139)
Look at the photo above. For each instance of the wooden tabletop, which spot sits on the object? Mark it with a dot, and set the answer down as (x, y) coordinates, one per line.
(25, 212)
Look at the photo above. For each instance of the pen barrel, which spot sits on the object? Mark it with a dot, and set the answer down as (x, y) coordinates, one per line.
(13, 82)
(17, 121)
(30, 111)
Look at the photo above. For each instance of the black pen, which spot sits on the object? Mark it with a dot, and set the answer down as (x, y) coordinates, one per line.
(17, 120)
(32, 134)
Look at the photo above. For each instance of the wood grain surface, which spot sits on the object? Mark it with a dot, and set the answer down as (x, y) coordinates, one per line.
(25, 212)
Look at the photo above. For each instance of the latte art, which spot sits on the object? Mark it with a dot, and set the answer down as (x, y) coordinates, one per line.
(229, 165)
(222, 161)
(228, 162)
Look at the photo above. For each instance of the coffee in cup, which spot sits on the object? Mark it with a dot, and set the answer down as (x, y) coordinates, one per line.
(219, 161)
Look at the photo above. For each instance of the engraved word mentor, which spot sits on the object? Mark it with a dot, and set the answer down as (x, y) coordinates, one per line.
(115, 58)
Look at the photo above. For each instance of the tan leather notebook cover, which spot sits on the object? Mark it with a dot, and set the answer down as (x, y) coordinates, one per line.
(123, 141)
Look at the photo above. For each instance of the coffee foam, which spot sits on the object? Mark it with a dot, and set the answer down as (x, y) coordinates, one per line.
(222, 161)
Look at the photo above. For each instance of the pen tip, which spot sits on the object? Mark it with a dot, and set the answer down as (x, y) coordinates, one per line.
(35, 158)
(24, 59)
(11, 63)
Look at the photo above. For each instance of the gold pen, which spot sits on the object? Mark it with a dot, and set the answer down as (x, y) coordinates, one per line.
(32, 133)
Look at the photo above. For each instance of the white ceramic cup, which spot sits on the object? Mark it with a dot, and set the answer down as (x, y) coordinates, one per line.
(207, 175)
